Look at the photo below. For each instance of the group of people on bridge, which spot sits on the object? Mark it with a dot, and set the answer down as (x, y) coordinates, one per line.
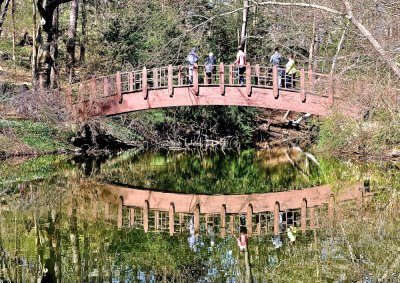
(286, 75)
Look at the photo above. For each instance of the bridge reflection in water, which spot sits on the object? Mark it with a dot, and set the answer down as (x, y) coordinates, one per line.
(255, 214)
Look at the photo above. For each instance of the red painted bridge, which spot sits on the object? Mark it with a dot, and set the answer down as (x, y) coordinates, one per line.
(265, 87)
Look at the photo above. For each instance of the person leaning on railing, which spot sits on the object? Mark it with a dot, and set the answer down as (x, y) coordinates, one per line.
(210, 67)
(290, 72)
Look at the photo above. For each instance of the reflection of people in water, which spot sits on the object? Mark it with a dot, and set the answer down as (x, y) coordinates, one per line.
(242, 241)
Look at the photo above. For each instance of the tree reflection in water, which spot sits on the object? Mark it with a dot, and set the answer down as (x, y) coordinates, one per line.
(62, 228)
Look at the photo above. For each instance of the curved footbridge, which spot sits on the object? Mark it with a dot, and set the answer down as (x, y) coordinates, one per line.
(265, 87)
(267, 213)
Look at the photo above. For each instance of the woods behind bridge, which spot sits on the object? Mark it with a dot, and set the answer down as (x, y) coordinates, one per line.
(73, 40)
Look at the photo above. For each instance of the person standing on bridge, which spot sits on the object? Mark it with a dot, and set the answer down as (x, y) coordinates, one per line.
(210, 67)
(276, 61)
(192, 59)
(241, 63)
(291, 72)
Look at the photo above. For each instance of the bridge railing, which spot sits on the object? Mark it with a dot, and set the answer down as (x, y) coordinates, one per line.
(169, 77)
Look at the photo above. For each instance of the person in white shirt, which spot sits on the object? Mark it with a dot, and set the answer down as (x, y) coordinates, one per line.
(241, 63)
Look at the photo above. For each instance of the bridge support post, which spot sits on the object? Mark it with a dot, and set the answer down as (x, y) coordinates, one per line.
(302, 85)
(197, 219)
(231, 74)
(232, 224)
(170, 81)
(248, 80)
(196, 79)
(144, 83)
(223, 221)
(249, 220)
(93, 89)
(120, 204)
(171, 219)
(106, 87)
(276, 218)
(146, 216)
(118, 86)
(303, 215)
(180, 75)
(275, 82)
(221, 79)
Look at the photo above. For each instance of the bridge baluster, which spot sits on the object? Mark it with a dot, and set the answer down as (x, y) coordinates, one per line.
(221, 79)
(68, 98)
(118, 86)
(205, 75)
(170, 81)
(275, 81)
(303, 215)
(106, 86)
(231, 74)
(120, 204)
(131, 82)
(302, 85)
(155, 78)
(330, 90)
(131, 216)
(197, 218)
(144, 83)
(276, 218)
(223, 221)
(249, 220)
(257, 73)
(179, 75)
(310, 81)
(171, 218)
(248, 80)
(93, 92)
(146, 216)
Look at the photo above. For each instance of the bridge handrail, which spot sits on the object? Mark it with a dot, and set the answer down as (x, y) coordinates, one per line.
(170, 77)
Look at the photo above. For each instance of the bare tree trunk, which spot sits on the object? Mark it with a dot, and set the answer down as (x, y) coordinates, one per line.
(73, 20)
(13, 27)
(243, 34)
(83, 40)
(45, 40)
(339, 47)
(3, 15)
(54, 52)
(34, 47)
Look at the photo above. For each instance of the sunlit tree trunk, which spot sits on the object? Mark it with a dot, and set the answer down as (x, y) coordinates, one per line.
(243, 34)
(34, 46)
(73, 20)
(3, 15)
(13, 27)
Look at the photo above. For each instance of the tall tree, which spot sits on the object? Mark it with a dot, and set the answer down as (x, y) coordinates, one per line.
(73, 20)
(83, 38)
(3, 14)
(45, 39)
(243, 34)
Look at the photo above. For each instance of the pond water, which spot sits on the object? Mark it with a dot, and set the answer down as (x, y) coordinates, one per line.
(156, 217)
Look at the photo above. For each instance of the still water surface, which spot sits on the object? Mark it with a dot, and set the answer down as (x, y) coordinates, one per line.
(59, 221)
